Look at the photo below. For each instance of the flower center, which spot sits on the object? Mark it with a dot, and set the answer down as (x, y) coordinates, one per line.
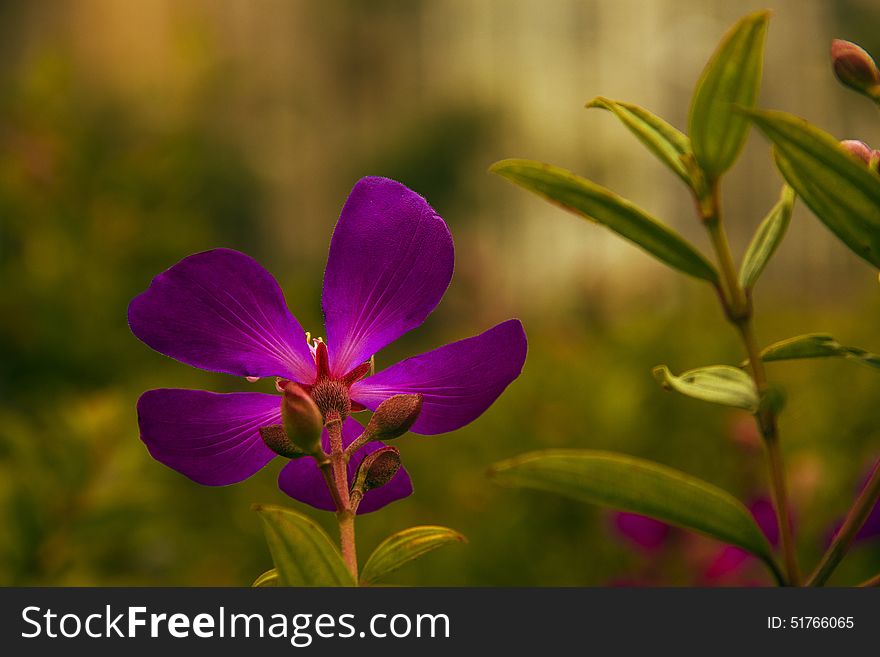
(331, 394)
(331, 397)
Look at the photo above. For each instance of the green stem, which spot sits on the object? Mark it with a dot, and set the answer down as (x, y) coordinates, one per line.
(856, 517)
(738, 309)
(871, 582)
(336, 476)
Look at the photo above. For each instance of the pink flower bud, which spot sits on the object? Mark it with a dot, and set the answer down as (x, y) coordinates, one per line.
(303, 422)
(855, 68)
(862, 151)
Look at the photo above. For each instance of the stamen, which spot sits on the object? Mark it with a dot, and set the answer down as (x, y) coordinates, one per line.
(357, 373)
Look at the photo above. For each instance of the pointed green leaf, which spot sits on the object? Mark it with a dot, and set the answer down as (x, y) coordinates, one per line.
(594, 202)
(720, 384)
(731, 79)
(766, 239)
(402, 547)
(669, 144)
(269, 578)
(637, 486)
(303, 553)
(840, 190)
(817, 345)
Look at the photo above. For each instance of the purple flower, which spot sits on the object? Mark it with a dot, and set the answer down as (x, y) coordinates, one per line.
(643, 532)
(871, 528)
(731, 560)
(391, 260)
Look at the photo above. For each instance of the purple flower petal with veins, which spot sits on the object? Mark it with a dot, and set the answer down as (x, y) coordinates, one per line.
(391, 260)
(221, 311)
(214, 439)
(458, 381)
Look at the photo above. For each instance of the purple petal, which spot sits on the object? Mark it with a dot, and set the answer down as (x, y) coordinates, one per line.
(303, 481)
(390, 262)
(458, 381)
(211, 438)
(221, 311)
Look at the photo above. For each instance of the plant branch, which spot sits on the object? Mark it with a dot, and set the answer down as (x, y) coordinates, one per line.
(336, 476)
(358, 442)
(738, 308)
(855, 519)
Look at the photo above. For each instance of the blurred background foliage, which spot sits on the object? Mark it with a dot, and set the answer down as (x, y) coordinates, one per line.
(134, 134)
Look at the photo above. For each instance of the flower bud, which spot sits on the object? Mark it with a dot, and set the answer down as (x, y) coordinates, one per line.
(276, 439)
(303, 423)
(862, 151)
(394, 417)
(854, 67)
(376, 470)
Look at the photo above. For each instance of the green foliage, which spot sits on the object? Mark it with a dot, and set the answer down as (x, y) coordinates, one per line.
(838, 188)
(302, 552)
(817, 345)
(766, 239)
(638, 486)
(269, 578)
(670, 145)
(731, 79)
(594, 202)
(404, 546)
(719, 384)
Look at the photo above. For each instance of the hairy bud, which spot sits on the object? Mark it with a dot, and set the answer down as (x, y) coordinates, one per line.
(302, 419)
(394, 417)
(276, 439)
(376, 470)
(855, 68)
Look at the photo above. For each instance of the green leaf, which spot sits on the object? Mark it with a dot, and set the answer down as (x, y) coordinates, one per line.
(766, 239)
(817, 345)
(840, 190)
(402, 547)
(267, 579)
(669, 144)
(731, 79)
(596, 203)
(720, 384)
(638, 486)
(303, 553)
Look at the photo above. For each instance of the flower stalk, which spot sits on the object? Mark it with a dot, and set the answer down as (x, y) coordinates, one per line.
(336, 476)
(738, 309)
(855, 519)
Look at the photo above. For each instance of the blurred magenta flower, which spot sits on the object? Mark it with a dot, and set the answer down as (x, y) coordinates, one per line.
(643, 532)
(730, 560)
(871, 528)
(391, 260)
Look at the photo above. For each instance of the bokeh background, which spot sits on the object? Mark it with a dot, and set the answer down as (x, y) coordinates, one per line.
(133, 134)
